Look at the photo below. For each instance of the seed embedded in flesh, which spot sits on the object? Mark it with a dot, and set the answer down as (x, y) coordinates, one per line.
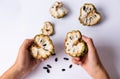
(71, 38)
(67, 43)
(41, 41)
(68, 49)
(44, 44)
(83, 7)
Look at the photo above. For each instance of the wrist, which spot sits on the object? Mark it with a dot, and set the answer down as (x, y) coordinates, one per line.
(18, 71)
(13, 73)
(100, 72)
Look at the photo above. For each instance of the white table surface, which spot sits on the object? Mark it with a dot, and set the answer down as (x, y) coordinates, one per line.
(21, 19)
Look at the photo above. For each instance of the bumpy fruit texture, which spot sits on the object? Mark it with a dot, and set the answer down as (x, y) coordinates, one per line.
(42, 47)
(58, 10)
(89, 15)
(74, 45)
(47, 28)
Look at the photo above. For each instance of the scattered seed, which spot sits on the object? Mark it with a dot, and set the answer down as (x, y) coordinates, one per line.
(45, 68)
(49, 66)
(48, 71)
(66, 58)
(63, 69)
(70, 66)
(56, 59)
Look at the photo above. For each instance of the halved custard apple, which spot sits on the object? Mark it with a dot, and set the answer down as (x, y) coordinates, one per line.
(58, 10)
(74, 45)
(89, 15)
(47, 28)
(42, 47)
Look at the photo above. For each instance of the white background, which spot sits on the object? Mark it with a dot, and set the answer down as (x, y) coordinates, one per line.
(21, 19)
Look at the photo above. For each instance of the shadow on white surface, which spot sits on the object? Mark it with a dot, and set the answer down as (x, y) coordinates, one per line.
(69, 10)
(59, 48)
(108, 59)
(101, 10)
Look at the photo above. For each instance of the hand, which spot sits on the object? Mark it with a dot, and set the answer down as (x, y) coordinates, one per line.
(24, 61)
(91, 62)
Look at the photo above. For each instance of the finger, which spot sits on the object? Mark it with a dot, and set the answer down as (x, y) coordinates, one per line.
(27, 43)
(43, 60)
(76, 61)
(36, 62)
(76, 58)
(83, 58)
(89, 42)
(80, 63)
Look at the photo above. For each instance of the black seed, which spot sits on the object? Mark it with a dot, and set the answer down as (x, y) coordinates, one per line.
(67, 43)
(66, 58)
(94, 16)
(71, 38)
(44, 44)
(90, 9)
(68, 49)
(56, 59)
(45, 68)
(52, 6)
(49, 66)
(48, 71)
(63, 69)
(86, 20)
(73, 50)
(41, 41)
(83, 7)
(76, 36)
(90, 18)
(70, 66)
(47, 30)
(87, 8)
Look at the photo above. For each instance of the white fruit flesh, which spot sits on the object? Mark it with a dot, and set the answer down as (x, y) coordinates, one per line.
(58, 10)
(47, 28)
(43, 47)
(89, 15)
(74, 45)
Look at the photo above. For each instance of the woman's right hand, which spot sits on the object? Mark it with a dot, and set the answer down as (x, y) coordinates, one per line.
(91, 62)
